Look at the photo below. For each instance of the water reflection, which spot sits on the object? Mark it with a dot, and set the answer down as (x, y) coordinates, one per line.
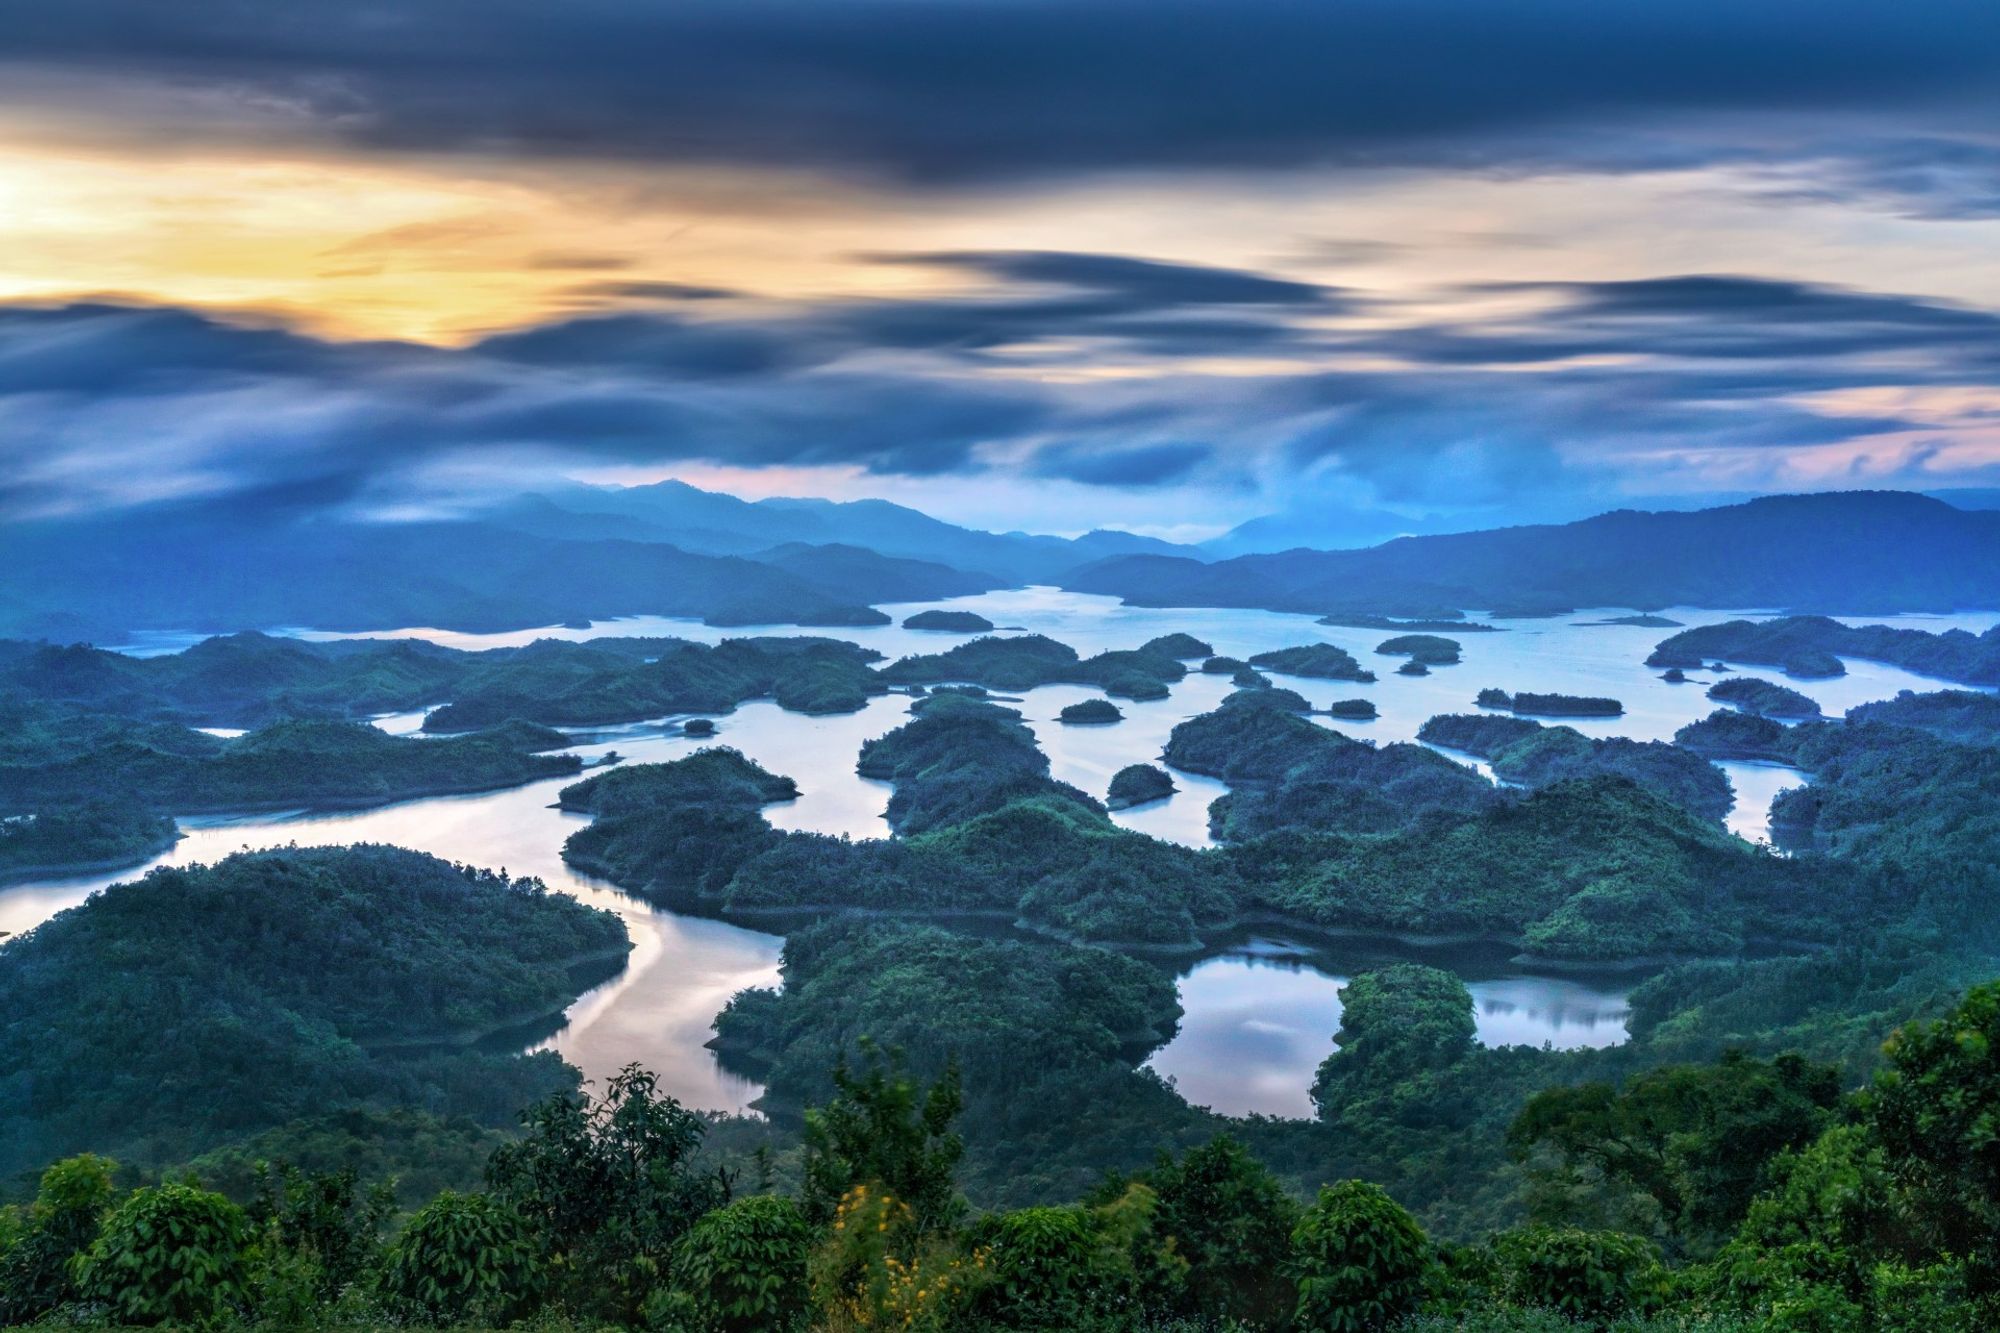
(1259, 1020)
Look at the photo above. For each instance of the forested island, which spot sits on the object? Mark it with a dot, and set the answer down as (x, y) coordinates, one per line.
(1550, 705)
(170, 1014)
(86, 835)
(949, 622)
(1423, 649)
(1090, 712)
(1812, 646)
(1318, 661)
(1136, 784)
(1764, 698)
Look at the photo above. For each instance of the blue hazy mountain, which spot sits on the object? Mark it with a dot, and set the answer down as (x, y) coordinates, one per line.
(710, 523)
(1854, 551)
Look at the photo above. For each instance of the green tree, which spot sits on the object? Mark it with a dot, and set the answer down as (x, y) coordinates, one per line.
(35, 1271)
(880, 1130)
(608, 1186)
(1231, 1222)
(1696, 1139)
(173, 1254)
(1587, 1275)
(462, 1257)
(1359, 1258)
(742, 1269)
(326, 1219)
(1936, 1112)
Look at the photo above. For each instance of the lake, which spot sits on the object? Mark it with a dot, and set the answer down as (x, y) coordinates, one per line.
(1259, 1018)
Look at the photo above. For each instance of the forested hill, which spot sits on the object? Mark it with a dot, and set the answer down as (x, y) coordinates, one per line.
(1869, 552)
(198, 571)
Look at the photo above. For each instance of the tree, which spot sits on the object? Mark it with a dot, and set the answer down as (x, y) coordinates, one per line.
(325, 1219)
(1359, 1258)
(1696, 1139)
(879, 1130)
(35, 1271)
(169, 1255)
(463, 1257)
(1586, 1275)
(1936, 1112)
(607, 1187)
(742, 1269)
(1231, 1221)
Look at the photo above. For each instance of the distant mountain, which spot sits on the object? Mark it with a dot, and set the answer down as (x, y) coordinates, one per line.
(715, 524)
(1866, 552)
(190, 570)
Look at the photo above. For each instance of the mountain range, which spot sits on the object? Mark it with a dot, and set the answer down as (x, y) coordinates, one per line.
(594, 553)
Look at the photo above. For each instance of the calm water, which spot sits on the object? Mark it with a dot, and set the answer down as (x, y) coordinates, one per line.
(1259, 1020)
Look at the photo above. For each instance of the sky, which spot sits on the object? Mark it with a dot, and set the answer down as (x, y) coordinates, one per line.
(1371, 266)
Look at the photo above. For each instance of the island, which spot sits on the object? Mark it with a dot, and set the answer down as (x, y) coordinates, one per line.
(1550, 705)
(1353, 710)
(1137, 784)
(1674, 676)
(1425, 649)
(1644, 621)
(698, 726)
(1812, 646)
(1316, 661)
(1223, 666)
(1453, 621)
(1413, 668)
(1729, 734)
(1090, 712)
(1525, 753)
(94, 835)
(1184, 647)
(394, 966)
(1029, 660)
(1967, 716)
(949, 622)
(1763, 698)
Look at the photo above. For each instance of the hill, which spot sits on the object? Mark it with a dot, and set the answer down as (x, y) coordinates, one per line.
(1856, 551)
(192, 569)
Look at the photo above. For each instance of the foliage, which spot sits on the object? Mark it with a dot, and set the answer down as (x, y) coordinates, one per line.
(880, 1131)
(1812, 646)
(742, 1268)
(325, 1219)
(1763, 698)
(462, 1257)
(70, 838)
(1090, 711)
(1359, 1259)
(1695, 1139)
(1136, 784)
(1526, 754)
(172, 1254)
(607, 1187)
(1320, 661)
(37, 1265)
(173, 1011)
(1586, 1275)
(1231, 1222)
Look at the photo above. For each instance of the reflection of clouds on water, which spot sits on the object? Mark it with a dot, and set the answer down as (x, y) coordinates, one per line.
(1258, 1022)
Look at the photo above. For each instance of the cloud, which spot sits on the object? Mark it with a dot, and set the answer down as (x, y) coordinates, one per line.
(1538, 387)
(980, 90)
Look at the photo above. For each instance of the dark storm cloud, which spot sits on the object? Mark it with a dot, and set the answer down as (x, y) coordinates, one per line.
(103, 404)
(1142, 465)
(979, 89)
(1041, 295)
(1720, 318)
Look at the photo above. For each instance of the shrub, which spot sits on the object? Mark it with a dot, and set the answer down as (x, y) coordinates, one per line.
(169, 1255)
(35, 1273)
(1359, 1258)
(1591, 1275)
(743, 1268)
(463, 1256)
